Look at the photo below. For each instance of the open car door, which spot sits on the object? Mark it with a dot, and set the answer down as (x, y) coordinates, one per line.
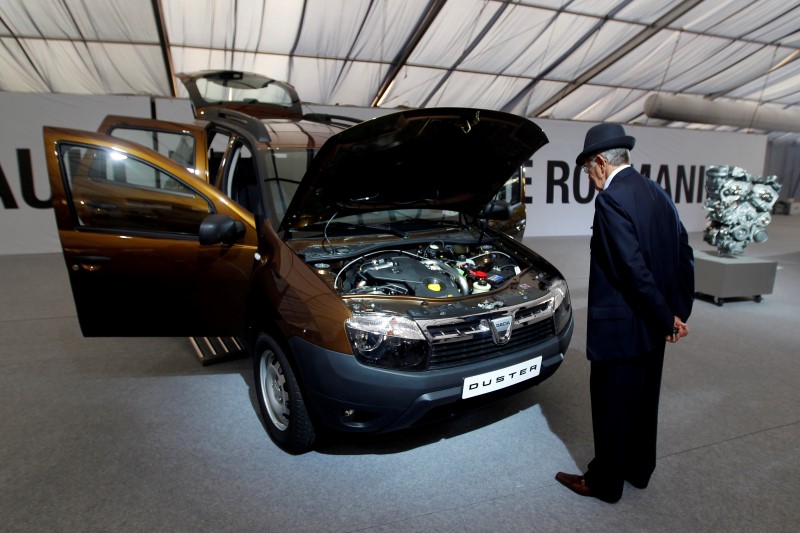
(151, 249)
(184, 143)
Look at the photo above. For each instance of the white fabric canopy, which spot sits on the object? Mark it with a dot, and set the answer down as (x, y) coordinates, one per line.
(589, 60)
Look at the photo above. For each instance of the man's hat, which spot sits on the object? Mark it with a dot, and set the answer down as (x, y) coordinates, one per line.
(603, 137)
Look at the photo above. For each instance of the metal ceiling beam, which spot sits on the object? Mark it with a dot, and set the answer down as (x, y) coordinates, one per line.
(163, 41)
(616, 55)
(465, 53)
(776, 43)
(296, 43)
(525, 91)
(434, 6)
(24, 53)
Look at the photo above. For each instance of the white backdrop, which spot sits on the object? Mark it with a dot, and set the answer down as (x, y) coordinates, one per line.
(27, 227)
(561, 197)
(672, 156)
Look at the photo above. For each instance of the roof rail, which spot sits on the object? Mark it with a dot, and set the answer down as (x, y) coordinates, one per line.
(327, 118)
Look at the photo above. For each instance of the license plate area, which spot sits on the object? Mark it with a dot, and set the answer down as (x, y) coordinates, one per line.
(501, 378)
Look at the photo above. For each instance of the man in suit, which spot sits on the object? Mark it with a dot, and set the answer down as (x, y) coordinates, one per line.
(641, 290)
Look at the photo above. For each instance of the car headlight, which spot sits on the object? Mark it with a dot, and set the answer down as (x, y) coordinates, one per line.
(562, 307)
(388, 341)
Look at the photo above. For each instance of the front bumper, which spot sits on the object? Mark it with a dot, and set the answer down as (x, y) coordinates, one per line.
(348, 396)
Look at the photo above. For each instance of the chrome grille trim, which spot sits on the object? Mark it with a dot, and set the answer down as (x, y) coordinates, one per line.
(467, 339)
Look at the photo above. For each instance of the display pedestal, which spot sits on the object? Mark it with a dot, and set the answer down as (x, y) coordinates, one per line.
(733, 277)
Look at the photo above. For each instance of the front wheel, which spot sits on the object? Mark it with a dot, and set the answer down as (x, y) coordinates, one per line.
(280, 399)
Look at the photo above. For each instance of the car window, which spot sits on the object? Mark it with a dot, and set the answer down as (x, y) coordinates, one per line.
(285, 169)
(511, 191)
(217, 146)
(180, 147)
(249, 89)
(241, 178)
(110, 189)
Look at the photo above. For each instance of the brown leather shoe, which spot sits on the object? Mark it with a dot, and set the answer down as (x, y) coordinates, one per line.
(574, 483)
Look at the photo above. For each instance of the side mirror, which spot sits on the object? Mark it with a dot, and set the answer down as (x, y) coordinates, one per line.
(223, 229)
(496, 210)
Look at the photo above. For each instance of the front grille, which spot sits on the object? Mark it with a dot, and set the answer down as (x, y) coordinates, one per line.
(469, 341)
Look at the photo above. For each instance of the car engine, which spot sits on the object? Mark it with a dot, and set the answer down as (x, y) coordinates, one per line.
(434, 270)
(738, 208)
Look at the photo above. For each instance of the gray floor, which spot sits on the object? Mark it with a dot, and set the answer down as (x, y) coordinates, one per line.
(133, 434)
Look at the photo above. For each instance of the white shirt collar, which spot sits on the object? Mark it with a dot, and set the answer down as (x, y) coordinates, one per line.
(616, 171)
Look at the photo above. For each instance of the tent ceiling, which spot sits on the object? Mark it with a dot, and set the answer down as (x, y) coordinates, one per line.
(590, 60)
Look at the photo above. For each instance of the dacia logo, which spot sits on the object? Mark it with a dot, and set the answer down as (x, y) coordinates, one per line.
(501, 329)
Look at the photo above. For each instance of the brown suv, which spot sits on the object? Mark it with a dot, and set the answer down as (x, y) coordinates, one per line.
(356, 262)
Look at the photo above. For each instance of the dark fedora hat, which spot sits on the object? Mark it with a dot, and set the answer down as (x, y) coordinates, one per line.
(604, 137)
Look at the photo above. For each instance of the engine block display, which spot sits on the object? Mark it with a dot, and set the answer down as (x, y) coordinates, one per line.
(738, 206)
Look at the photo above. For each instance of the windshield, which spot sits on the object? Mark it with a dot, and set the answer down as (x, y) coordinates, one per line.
(401, 216)
(398, 222)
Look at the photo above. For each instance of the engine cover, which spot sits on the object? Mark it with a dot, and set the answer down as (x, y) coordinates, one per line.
(420, 278)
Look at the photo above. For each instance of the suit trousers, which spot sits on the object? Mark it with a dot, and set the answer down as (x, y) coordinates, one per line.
(625, 395)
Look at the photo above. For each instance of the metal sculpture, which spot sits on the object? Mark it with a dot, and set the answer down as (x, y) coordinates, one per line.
(739, 207)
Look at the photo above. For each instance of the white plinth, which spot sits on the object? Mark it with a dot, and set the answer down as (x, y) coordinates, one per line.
(733, 277)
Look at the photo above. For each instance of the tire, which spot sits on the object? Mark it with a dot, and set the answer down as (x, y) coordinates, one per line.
(280, 399)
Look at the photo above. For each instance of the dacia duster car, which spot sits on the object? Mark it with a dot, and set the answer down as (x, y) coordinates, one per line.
(354, 260)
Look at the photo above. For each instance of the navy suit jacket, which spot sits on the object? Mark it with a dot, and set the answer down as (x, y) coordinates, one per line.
(641, 271)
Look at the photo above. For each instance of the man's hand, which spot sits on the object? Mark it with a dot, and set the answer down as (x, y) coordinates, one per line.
(679, 330)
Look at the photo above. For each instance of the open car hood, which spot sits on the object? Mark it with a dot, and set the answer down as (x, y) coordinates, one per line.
(436, 158)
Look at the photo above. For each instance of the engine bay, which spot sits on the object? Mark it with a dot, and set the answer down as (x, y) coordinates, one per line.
(434, 269)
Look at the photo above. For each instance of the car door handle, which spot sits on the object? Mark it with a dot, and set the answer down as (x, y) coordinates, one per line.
(106, 206)
(89, 262)
(93, 259)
